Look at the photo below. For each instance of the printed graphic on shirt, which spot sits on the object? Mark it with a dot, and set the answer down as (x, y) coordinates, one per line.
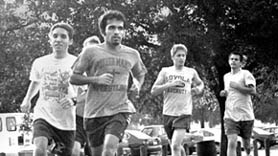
(113, 61)
(177, 77)
(110, 88)
(55, 84)
(178, 90)
(116, 66)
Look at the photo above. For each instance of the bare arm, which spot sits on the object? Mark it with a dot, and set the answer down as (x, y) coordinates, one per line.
(250, 89)
(224, 92)
(159, 86)
(31, 92)
(79, 79)
(199, 84)
(79, 68)
(140, 80)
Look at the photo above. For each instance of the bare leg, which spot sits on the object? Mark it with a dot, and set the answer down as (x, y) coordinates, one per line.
(96, 151)
(246, 145)
(76, 149)
(110, 145)
(176, 142)
(232, 144)
(40, 146)
(183, 151)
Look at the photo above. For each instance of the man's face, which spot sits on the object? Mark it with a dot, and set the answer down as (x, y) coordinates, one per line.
(179, 58)
(114, 31)
(234, 61)
(59, 39)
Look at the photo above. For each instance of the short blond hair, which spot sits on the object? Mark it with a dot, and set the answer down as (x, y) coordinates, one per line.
(177, 47)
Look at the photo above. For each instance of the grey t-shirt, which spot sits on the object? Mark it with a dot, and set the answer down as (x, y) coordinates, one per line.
(106, 100)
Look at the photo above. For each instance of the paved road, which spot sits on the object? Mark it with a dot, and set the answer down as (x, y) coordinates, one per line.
(273, 152)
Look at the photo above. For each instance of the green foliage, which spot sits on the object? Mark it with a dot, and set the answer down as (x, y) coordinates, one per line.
(267, 98)
(21, 42)
(210, 30)
(26, 126)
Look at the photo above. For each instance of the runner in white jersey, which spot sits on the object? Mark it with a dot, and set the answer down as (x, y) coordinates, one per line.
(107, 66)
(54, 113)
(239, 114)
(176, 83)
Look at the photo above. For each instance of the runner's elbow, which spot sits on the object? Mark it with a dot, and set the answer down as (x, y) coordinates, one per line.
(73, 80)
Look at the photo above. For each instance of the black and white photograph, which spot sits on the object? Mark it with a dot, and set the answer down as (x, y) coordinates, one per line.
(138, 78)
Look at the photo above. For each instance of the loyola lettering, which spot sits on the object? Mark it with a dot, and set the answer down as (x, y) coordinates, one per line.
(177, 77)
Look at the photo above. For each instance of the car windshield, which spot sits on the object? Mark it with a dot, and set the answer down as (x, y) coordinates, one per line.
(148, 131)
(138, 134)
(207, 133)
(260, 131)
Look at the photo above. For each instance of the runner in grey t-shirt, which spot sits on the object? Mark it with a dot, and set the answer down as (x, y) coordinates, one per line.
(107, 67)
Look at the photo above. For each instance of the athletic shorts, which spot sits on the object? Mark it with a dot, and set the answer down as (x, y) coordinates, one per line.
(176, 122)
(80, 135)
(98, 128)
(241, 128)
(63, 138)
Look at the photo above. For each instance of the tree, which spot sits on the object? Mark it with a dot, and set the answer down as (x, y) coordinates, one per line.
(210, 30)
(20, 44)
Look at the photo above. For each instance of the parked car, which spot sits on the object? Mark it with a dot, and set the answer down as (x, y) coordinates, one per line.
(260, 134)
(133, 140)
(272, 129)
(13, 134)
(159, 131)
(16, 134)
(215, 134)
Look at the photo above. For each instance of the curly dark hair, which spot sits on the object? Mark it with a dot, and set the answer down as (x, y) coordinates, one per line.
(111, 14)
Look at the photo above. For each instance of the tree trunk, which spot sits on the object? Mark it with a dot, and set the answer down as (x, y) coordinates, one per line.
(221, 72)
(203, 118)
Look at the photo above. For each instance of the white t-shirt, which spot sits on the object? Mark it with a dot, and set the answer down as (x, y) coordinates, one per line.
(239, 106)
(177, 100)
(53, 75)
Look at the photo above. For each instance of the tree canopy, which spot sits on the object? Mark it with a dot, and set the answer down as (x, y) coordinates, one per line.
(210, 30)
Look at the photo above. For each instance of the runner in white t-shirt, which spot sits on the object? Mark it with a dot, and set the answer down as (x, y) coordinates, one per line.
(176, 83)
(239, 114)
(54, 113)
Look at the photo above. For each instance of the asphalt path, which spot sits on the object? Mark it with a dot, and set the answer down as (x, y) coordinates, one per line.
(262, 152)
